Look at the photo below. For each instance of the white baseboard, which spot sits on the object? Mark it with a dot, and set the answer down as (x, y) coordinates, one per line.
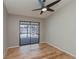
(5, 53)
(61, 49)
(13, 47)
(42, 42)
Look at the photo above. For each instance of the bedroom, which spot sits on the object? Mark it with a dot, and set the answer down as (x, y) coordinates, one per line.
(28, 29)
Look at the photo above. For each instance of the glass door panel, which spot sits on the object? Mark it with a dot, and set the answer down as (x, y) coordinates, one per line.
(34, 33)
(24, 35)
(29, 33)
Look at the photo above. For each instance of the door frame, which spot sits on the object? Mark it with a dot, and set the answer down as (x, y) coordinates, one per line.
(30, 24)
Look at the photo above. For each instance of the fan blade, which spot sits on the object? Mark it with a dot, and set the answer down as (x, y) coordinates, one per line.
(41, 12)
(55, 2)
(50, 10)
(36, 9)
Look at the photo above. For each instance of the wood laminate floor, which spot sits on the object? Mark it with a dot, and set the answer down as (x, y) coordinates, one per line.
(36, 51)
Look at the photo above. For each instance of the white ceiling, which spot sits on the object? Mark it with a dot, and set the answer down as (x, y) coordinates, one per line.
(25, 7)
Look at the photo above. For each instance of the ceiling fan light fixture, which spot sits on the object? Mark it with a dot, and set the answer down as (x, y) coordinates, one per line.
(44, 9)
(47, 7)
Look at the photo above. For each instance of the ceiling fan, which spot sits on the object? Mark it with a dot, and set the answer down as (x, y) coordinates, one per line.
(47, 7)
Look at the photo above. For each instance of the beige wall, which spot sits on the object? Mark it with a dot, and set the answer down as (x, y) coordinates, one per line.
(60, 28)
(5, 17)
(13, 29)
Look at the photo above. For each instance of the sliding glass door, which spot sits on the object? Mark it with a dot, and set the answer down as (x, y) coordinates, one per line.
(29, 32)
